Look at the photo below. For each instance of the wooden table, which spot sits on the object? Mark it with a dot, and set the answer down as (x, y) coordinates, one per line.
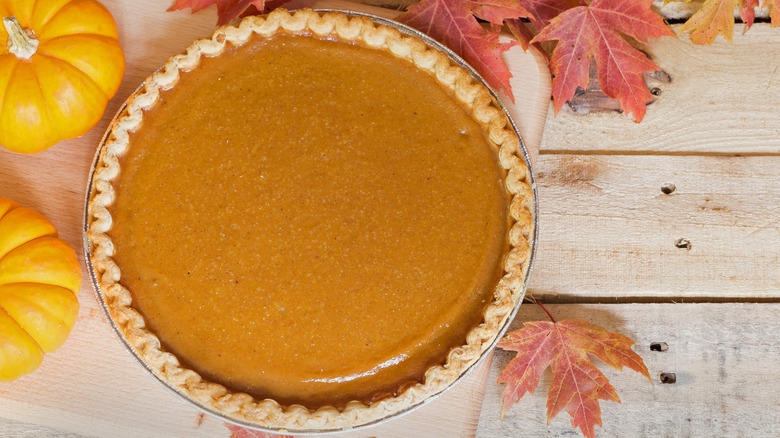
(607, 253)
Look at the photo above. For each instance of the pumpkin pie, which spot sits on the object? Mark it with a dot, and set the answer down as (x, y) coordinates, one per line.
(310, 221)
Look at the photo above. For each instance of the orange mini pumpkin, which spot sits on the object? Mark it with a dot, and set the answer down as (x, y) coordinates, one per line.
(60, 63)
(39, 279)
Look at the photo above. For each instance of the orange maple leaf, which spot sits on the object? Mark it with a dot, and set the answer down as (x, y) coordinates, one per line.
(594, 31)
(577, 385)
(713, 18)
(717, 17)
(774, 11)
(452, 23)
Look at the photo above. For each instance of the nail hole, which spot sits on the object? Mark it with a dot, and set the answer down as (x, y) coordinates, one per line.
(655, 91)
(659, 346)
(683, 243)
(668, 188)
(668, 378)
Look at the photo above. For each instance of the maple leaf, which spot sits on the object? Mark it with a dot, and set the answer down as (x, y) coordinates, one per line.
(452, 23)
(577, 385)
(774, 11)
(717, 17)
(539, 13)
(713, 18)
(227, 10)
(594, 31)
(496, 11)
(240, 432)
(748, 12)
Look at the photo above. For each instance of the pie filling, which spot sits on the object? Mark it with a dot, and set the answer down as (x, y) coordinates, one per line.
(309, 220)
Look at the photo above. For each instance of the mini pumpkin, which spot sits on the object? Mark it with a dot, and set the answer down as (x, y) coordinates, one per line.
(39, 279)
(60, 63)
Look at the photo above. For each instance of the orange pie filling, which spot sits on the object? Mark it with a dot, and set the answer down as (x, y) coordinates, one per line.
(309, 220)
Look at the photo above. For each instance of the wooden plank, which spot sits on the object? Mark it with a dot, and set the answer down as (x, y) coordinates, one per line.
(730, 93)
(608, 232)
(16, 429)
(725, 357)
(91, 386)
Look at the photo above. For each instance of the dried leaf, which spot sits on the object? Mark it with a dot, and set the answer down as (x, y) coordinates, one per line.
(748, 12)
(713, 18)
(540, 12)
(523, 34)
(452, 23)
(774, 11)
(577, 385)
(717, 17)
(596, 31)
(227, 10)
(240, 432)
(496, 11)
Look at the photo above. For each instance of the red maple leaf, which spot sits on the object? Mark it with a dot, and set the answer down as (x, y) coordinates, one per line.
(240, 432)
(496, 11)
(594, 31)
(748, 12)
(228, 10)
(539, 13)
(452, 23)
(577, 385)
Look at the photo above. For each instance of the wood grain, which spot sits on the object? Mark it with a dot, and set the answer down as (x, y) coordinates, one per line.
(91, 386)
(725, 357)
(722, 99)
(608, 232)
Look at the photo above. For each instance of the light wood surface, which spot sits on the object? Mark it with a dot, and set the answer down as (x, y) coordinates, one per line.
(91, 386)
(608, 232)
(725, 357)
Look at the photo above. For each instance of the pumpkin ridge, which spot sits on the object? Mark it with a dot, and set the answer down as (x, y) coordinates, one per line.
(43, 23)
(44, 228)
(13, 205)
(38, 307)
(87, 34)
(41, 33)
(4, 290)
(80, 72)
(45, 105)
(3, 110)
(53, 240)
(35, 341)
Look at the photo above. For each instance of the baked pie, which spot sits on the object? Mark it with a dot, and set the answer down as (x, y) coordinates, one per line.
(310, 221)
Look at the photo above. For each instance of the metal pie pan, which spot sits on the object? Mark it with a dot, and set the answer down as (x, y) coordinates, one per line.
(253, 426)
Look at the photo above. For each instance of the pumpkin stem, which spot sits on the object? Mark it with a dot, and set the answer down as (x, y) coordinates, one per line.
(20, 43)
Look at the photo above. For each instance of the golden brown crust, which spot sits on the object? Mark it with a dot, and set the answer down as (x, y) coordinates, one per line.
(267, 413)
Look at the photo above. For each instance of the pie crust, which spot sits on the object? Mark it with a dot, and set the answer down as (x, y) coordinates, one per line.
(268, 414)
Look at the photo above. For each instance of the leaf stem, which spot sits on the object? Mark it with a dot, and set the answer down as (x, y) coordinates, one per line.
(582, 2)
(546, 311)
